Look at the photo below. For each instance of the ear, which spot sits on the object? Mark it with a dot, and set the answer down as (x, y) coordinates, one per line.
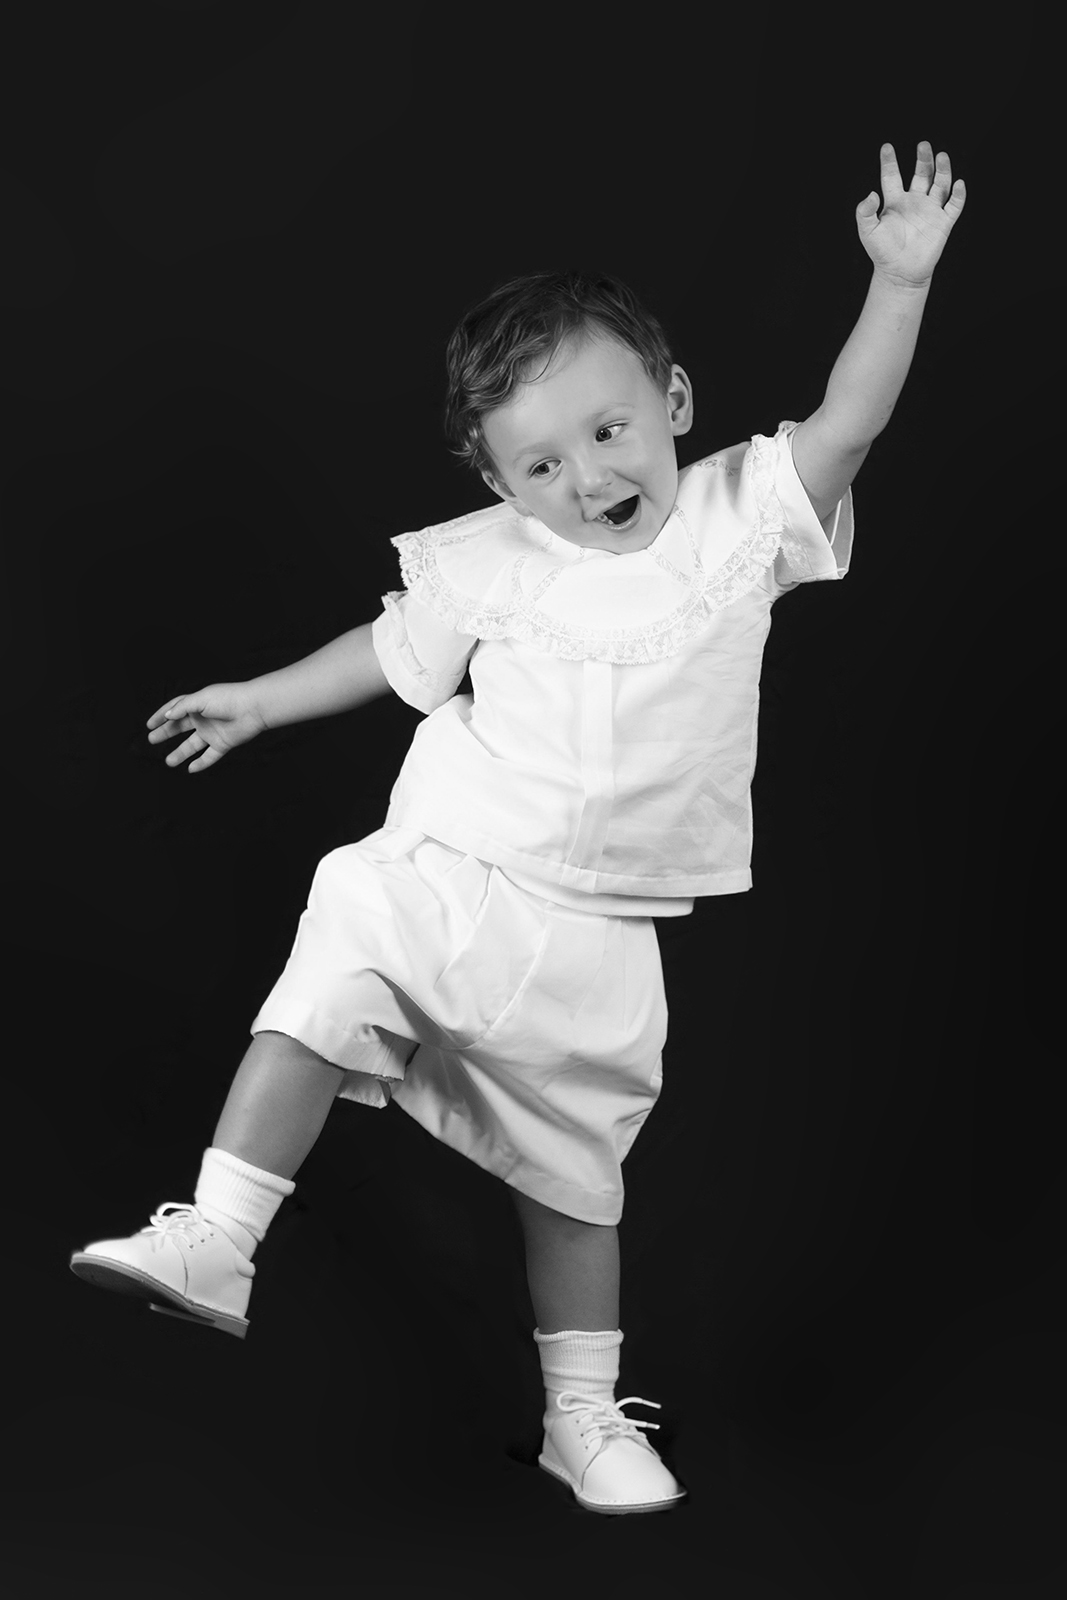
(501, 489)
(680, 401)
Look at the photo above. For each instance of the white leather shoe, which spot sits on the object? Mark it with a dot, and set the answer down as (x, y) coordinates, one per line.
(599, 1453)
(183, 1263)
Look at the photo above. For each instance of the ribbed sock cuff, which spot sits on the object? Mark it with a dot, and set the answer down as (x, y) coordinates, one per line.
(249, 1195)
(576, 1359)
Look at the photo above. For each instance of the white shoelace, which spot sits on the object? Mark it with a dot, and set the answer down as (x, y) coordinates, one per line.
(177, 1221)
(606, 1420)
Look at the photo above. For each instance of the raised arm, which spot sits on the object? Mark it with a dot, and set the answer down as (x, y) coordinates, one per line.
(905, 243)
(343, 674)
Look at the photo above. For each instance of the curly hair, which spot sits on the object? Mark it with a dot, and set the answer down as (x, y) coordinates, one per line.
(524, 321)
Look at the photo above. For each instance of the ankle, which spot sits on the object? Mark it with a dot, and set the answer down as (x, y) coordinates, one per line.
(240, 1198)
(581, 1360)
(243, 1241)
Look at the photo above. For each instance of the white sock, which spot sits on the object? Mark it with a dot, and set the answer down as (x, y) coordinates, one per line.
(230, 1191)
(574, 1359)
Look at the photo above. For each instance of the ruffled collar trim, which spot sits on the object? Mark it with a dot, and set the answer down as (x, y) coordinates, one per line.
(494, 574)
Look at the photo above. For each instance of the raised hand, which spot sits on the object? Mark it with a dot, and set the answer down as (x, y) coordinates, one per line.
(216, 719)
(906, 241)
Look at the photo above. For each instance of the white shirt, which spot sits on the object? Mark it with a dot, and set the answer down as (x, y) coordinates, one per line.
(605, 758)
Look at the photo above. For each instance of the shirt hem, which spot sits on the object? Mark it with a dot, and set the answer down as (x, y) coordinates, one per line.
(459, 836)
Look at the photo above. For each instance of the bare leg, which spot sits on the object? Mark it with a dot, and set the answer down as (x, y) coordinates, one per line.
(572, 1268)
(277, 1104)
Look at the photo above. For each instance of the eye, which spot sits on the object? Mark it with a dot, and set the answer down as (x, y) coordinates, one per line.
(609, 428)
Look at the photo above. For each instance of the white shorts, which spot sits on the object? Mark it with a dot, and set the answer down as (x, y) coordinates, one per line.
(525, 1035)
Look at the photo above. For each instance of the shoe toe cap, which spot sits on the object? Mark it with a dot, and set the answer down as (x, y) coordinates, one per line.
(130, 1256)
(627, 1472)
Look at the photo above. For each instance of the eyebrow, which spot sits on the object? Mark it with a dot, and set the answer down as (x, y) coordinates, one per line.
(540, 449)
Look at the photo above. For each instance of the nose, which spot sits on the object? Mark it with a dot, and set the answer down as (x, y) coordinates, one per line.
(591, 477)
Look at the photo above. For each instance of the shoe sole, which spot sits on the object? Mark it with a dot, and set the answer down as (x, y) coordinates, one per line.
(562, 1476)
(115, 1275)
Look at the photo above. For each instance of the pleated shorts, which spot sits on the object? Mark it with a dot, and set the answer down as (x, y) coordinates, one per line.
(525, 1035)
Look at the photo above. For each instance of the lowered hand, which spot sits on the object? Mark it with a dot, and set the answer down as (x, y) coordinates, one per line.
(217, 719)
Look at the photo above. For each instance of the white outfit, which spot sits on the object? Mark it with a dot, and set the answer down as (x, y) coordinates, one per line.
(539, 1029)
(610, 741)
(598, 776)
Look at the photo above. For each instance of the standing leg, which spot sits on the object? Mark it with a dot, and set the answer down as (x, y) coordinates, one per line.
(572, 1268)
(590, 1444)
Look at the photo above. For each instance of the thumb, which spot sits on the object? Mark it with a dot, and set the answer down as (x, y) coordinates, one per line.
(184, 704)
(867, 213)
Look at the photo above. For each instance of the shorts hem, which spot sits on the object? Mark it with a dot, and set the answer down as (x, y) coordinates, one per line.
(604, 1211)
(370, 1055)
(502, 1161)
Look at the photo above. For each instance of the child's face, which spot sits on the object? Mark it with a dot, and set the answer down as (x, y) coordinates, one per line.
(592, 433)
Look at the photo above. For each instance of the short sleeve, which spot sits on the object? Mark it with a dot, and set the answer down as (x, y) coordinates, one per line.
(811, 550)
(422, 657)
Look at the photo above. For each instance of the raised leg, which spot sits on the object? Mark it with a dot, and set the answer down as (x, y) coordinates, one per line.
(278, 1102)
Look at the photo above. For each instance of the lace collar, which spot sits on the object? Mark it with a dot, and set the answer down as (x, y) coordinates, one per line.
(494, 574)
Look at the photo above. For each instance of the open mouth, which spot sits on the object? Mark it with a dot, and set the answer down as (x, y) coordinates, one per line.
(622, 514)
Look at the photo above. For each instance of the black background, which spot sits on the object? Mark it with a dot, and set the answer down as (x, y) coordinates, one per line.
(239, 235)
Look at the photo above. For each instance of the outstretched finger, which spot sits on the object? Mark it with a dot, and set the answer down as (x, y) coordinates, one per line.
(939, 188)
(892, 183)
(956, 201)
(924, 168)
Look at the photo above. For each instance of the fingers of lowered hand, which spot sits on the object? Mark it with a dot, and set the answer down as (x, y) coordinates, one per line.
(167, 730)
(193, 746)
(157, 718)
(175, 713)
(208, 759)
